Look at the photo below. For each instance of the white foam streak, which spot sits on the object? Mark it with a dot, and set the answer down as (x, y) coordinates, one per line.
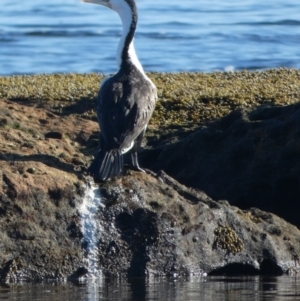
(90, 227)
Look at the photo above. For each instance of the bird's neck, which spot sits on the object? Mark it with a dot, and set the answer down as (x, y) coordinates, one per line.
(126, 54)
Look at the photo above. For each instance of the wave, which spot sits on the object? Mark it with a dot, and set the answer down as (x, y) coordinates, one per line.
(167, 36)
(158, 35)
(7, 39)
(61, 33)
(270, 23)
(9, 36)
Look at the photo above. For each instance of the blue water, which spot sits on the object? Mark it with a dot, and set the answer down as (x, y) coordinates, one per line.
(47, 36)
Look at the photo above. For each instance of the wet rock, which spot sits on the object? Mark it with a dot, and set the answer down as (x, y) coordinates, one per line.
(151, 231)
(11, 270)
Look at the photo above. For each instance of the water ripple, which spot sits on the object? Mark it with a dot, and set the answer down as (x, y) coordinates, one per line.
(271, 23)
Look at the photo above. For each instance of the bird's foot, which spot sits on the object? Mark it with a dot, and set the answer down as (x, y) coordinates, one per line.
(136, 168)
(130, 168)
(150, 172)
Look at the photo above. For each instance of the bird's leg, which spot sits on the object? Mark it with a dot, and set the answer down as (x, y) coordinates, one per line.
(136, 146)
(135, 162)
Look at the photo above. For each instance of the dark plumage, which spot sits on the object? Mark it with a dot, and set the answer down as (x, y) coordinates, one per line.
(125, 102)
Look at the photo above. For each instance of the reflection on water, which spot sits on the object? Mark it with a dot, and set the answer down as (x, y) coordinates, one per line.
(139, 289)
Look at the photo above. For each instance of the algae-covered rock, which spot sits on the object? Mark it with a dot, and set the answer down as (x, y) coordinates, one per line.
(184, 98)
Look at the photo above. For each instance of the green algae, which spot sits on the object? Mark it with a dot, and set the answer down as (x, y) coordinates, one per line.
(50, 87)
(184, 98)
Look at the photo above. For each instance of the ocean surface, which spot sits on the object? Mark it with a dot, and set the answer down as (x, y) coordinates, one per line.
(50, 36)
(190, 289)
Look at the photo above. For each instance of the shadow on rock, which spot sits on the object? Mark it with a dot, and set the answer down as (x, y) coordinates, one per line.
(49, 160)
(140, 231)
(250, 158)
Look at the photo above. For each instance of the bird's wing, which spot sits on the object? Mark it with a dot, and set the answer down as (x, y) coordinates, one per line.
(123, 112)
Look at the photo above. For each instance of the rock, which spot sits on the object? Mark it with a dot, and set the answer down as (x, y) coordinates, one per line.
(39, 196)
(250, 158)
(165, 228)
(151, 224)
(31, 170)
(54, 135)
(39, 225)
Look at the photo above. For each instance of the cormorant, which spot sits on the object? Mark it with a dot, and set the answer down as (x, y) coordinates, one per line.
(125, 101)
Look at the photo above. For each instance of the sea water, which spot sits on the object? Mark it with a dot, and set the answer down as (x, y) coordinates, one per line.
(49, 36)
(242, 288)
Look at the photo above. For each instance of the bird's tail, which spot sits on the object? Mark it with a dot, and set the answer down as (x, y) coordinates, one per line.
(106, 165)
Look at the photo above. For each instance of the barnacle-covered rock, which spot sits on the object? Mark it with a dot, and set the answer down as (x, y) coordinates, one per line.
(227, 239)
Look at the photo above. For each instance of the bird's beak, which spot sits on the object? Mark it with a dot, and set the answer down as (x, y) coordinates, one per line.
(101, 2)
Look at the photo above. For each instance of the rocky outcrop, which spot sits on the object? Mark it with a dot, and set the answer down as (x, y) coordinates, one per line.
(150, 223)
(40, 189)
(250, 158)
